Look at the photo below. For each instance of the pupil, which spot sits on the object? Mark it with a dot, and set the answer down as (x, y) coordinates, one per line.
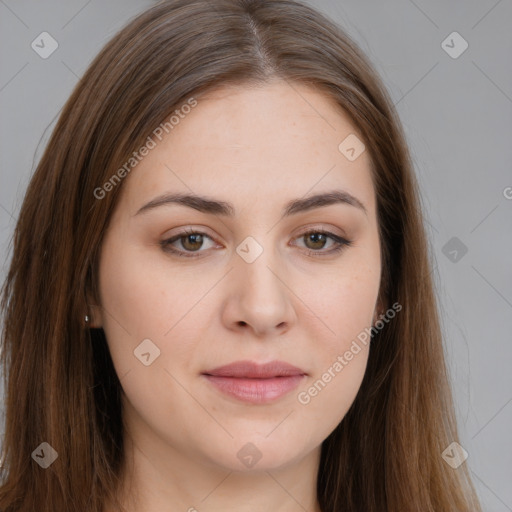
(196, 241)
(317, 238)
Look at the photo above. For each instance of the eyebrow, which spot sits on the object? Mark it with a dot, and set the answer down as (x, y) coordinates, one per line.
(212, 206)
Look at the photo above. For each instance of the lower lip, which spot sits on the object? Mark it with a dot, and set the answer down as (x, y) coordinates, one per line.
(256, 391)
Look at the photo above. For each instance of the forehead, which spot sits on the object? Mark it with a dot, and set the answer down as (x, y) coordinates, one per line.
(250, 143)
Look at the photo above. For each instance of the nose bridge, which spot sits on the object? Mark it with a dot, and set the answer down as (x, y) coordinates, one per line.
(260, 295)
(256, 267)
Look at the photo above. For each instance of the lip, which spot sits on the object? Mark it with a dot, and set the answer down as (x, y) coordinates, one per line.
(255, 383)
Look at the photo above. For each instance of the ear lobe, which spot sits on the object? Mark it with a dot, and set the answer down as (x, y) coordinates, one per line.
(380, 308)
(95, 316)
(93, 311)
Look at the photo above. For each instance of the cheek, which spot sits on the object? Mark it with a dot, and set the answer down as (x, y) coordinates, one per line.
(328, 395)
(342, 352)
(344, 301)
(141, 291)
(133, 309)
(145, 298)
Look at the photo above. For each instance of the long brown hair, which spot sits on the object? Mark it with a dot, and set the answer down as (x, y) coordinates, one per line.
(61, 387)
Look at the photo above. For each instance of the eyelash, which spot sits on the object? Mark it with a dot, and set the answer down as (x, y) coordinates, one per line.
(341, 243)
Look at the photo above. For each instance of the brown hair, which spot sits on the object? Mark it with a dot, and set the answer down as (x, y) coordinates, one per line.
(61, 386)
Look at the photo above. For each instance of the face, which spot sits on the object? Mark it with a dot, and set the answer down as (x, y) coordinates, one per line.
(233, 324)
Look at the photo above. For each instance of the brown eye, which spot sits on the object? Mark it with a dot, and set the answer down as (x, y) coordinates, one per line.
(186, 243)
(317, 240)
(192, 242)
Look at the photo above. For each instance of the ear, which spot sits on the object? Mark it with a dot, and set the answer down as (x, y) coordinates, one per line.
(380, 308)
(93, 310)
(95, 316)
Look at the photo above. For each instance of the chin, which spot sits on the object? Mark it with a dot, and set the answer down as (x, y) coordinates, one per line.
(253, 453)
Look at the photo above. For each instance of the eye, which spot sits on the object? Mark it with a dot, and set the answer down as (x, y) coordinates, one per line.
(316, 240)
(192, 241)
(189, 239)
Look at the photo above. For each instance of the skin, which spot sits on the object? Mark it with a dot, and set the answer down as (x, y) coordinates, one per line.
(257, 148)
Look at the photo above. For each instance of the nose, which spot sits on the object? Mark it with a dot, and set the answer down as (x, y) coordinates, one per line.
(258, 298)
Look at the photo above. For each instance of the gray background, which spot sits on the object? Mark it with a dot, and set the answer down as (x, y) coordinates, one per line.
(457, 113)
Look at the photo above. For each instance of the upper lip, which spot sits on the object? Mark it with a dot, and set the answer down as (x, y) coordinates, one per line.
(253, 370)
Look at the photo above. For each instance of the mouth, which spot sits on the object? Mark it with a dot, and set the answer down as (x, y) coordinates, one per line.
(250, 382)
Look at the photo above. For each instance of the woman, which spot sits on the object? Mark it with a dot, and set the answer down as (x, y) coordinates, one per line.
(220, 293)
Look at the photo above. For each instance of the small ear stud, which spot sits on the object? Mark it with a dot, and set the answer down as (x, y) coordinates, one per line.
(86, 319)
